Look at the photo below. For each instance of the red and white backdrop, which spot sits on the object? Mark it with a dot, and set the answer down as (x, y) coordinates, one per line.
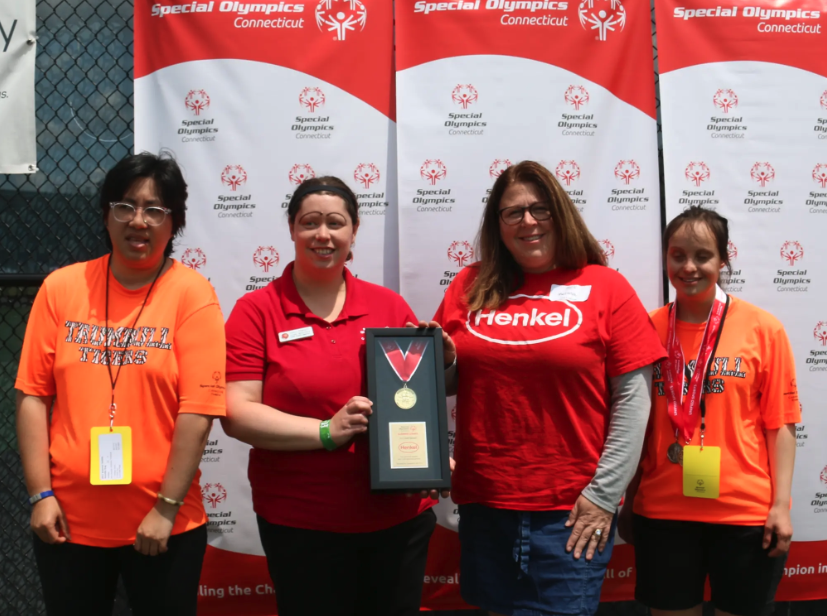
(483, 84)
(253, 98)
(744, 111)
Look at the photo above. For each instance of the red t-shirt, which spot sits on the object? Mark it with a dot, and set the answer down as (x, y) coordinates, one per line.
(533, 402)
(315, 377)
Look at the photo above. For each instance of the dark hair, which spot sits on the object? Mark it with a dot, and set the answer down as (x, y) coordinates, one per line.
(351, 204)
(717, 224)
(169, 182)
(301, 192)
(499, 273)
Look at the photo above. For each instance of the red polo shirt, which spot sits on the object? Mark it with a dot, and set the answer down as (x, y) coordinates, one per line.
(315, 377)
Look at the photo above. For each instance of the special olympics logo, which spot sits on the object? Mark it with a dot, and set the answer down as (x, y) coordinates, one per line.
(341, 16)
(823, 99)
(300, 173)
(731, 250)
(233, 176)
(576, 96)
(820, 173)
(627, 170)
(498, 167)
(460, 253)
(197, 101)
(367, 174)
(433, 171)
(194, 258)
(792, 252)
(602, 15)
(266, 257)
(823, 475)
(697, 173)
(725, 100)
(820, 332)
(312, 99)
(465, 95)
(567, 171)
(213, 493)
(608, 249)
(762, 173)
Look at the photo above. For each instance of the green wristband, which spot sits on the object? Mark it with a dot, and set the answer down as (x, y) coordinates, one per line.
(324, 434)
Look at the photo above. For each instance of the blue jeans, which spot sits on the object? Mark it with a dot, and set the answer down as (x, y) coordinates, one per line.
(515, 563)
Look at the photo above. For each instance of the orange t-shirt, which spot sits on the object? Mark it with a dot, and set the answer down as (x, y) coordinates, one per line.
(752, 389)
(172, 362)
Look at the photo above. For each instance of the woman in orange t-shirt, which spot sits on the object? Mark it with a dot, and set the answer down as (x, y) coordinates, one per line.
(712, 494)
(121, 373)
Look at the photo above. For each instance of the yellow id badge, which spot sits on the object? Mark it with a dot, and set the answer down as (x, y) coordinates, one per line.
(111, 458)
(701, 471)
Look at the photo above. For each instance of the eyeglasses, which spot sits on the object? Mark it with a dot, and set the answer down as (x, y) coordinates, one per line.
(514, 215)
(154, 215)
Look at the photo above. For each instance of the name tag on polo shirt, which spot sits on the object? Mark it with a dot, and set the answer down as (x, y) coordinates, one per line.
(569, 292)
(296, 334)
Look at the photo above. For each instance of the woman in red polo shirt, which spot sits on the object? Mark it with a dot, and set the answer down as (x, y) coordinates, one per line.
(296, 393)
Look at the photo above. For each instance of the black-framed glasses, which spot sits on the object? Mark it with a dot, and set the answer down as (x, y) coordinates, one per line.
(154, 215)
(514, 215)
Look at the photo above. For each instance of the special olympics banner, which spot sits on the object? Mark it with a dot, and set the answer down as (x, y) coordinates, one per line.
(252, 99)
(744, 108)
(18, 47)
(482, 84)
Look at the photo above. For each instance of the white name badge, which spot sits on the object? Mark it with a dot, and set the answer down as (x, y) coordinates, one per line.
(296, 334)
(569, 292)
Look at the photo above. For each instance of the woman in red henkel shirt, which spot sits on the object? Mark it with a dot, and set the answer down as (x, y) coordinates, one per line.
(296, 392)
(552, 375)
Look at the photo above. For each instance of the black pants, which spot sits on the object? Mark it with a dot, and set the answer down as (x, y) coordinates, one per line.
(81, 580)
(348, 574)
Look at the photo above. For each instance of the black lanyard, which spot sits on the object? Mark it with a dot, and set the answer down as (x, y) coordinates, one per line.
(114, 381)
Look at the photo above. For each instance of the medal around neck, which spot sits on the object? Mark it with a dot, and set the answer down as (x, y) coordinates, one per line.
(408, 429)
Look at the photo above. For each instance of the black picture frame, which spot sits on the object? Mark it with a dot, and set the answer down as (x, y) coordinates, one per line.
(388, 419)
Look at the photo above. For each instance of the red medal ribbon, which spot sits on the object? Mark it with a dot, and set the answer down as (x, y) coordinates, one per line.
(684, 415)
(404, 364)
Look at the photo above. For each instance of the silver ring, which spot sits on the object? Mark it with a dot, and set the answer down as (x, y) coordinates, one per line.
(598, 533)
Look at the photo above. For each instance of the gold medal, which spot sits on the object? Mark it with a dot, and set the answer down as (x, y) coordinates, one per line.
(405, 398)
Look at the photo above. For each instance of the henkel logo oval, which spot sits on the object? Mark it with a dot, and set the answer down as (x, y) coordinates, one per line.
(602, 16)
(311, 99)
(725, 100)
(197, 101)
(464, 95)
(762, 173)
(233, 176)
(194, 258)
(341, 17)
(820, 174)
(408, 447)
(567, 171)
(697, 172)
(300, 173)
(576, 96)
(792, 252)
(531, 319)
(498, 167)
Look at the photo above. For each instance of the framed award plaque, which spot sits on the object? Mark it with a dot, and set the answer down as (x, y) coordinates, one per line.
(408, 429)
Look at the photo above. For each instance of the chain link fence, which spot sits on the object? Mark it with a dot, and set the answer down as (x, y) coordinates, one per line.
(50, 219)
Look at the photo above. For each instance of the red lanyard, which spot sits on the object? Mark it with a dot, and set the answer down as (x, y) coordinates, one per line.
(404, 364)
(684, 414)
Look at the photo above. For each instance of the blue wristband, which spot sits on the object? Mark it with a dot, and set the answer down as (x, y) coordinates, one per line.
(40, 497)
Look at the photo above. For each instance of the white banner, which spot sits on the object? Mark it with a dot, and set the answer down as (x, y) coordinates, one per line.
(18, 46)
(757, 153)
